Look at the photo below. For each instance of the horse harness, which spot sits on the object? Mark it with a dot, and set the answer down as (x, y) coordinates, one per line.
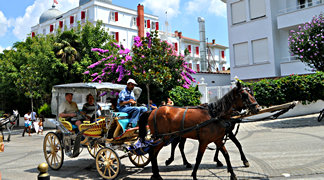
(183, 130)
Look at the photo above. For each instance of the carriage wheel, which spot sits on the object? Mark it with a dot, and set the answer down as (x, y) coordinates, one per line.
(108, 163)
(94, 148)
(53, 151)
(139, 160)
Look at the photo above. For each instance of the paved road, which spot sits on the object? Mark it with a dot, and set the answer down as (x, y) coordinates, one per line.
(291, 147)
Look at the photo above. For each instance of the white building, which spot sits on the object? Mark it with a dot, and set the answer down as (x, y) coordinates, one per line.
(258, 36)
(125, 24)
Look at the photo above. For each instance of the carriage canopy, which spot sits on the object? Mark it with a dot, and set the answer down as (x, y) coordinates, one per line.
(81, 90)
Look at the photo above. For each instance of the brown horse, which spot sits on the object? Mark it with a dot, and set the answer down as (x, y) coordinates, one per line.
(167, 119)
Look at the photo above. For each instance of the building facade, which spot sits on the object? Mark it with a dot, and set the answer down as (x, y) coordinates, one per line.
(124, 24)
(258, 36)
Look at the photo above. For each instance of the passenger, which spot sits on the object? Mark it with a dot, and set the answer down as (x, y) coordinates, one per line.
(125, 102)
(170, 102)
(152, 105)
(69, 109)
(89, 108)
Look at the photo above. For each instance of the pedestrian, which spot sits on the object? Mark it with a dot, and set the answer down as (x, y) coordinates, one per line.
(34, 124)
(41, 124)
(27, 118)
(152, 105)
(126, 102)
(170, 102)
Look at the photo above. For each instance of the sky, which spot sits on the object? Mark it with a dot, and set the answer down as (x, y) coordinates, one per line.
(18, 16)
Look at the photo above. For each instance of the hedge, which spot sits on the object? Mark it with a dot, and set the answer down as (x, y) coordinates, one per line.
(305, 88)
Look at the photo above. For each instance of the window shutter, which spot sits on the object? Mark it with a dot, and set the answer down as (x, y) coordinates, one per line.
(117, 36)
(148, 24)
(33, 34)
(116, 16)
(190, 65)
(61, 24)
(223, 54)
(198, 68)
(83, 13)
(51, 28)
(223, 68)
(197, 50)
(176, 46)
(189, 48)
(71, 19)
(157, 25)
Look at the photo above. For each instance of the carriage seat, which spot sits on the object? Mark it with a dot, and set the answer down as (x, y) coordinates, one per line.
(70, 127)
(94, 129)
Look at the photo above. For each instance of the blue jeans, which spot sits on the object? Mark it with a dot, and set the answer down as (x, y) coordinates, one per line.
(133, 113)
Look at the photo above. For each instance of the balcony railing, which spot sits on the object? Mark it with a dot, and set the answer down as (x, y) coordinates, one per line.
(289, 59)
(301, 6)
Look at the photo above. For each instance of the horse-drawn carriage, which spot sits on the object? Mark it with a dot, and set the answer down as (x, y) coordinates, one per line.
(8, 121)
(102, 137)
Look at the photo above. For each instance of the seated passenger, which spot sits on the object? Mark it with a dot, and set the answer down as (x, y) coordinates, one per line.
(69, 109)
(89, 108)
(126, 102)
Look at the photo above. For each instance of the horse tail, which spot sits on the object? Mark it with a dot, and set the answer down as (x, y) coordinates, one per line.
(142, 123)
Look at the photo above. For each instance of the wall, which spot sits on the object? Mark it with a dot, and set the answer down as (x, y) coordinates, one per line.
(219, 79)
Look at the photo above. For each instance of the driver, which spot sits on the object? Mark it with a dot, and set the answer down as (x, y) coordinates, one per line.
(126, 102)
(68, 109)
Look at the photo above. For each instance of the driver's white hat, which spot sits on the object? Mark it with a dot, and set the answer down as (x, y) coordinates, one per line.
(131, 81)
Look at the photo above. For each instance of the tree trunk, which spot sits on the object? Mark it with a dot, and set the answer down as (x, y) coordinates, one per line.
(32, 105)
(148, 96)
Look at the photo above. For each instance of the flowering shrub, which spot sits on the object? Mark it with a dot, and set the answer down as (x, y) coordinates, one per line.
(151, 62)
(306, 88)
(307, 43)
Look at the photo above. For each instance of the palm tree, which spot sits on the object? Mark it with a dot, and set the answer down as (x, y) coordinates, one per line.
(66, 47)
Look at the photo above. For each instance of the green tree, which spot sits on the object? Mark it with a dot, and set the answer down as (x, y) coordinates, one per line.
(185, 97)
(308, 43)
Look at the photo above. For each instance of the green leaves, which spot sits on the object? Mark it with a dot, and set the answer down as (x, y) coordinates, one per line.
(306, 88)
(185, 97)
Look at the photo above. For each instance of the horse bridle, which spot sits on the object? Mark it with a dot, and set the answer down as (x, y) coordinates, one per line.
(247, 99)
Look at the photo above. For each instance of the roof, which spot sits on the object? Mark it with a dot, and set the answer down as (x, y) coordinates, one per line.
(211, 44)
(81, 2)
(49, 14)
(218, 72)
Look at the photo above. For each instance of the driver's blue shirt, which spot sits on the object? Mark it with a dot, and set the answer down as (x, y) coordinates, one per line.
(125, 95)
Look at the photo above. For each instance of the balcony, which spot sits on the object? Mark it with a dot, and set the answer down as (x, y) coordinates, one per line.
(299, 14)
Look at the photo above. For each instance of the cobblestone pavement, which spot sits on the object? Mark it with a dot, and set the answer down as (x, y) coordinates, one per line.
(290, 148)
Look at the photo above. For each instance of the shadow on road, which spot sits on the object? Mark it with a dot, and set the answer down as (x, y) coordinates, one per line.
(295, 122)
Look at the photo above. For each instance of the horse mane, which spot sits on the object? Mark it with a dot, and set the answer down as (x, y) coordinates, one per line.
(222, 105)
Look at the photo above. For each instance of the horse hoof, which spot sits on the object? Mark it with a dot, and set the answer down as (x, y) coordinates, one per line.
(233, 177)
(219, 164)
(156, 177)
(168, 162)
(246, 163)
(188, 165)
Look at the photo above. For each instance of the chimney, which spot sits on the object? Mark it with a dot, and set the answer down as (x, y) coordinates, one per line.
(140, 19)
(180, 35)
(213, 41)
(202, 48)
(176, 33)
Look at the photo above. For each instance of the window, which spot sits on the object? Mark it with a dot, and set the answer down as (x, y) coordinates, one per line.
(241, 54)
(223, 54)
(33, 34)
(83, 16)
(260, 50)
(114, 16)
(198, 69)
(257, 9)
(175, 46)
(61, 24)
(197, 50)
(51, 28)
(157, 25)
(189, 48)
(148, 23)
(135, 21)
(153, 25)
(115, 36)
(145, 24)
(71, 20)
(238, 12)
